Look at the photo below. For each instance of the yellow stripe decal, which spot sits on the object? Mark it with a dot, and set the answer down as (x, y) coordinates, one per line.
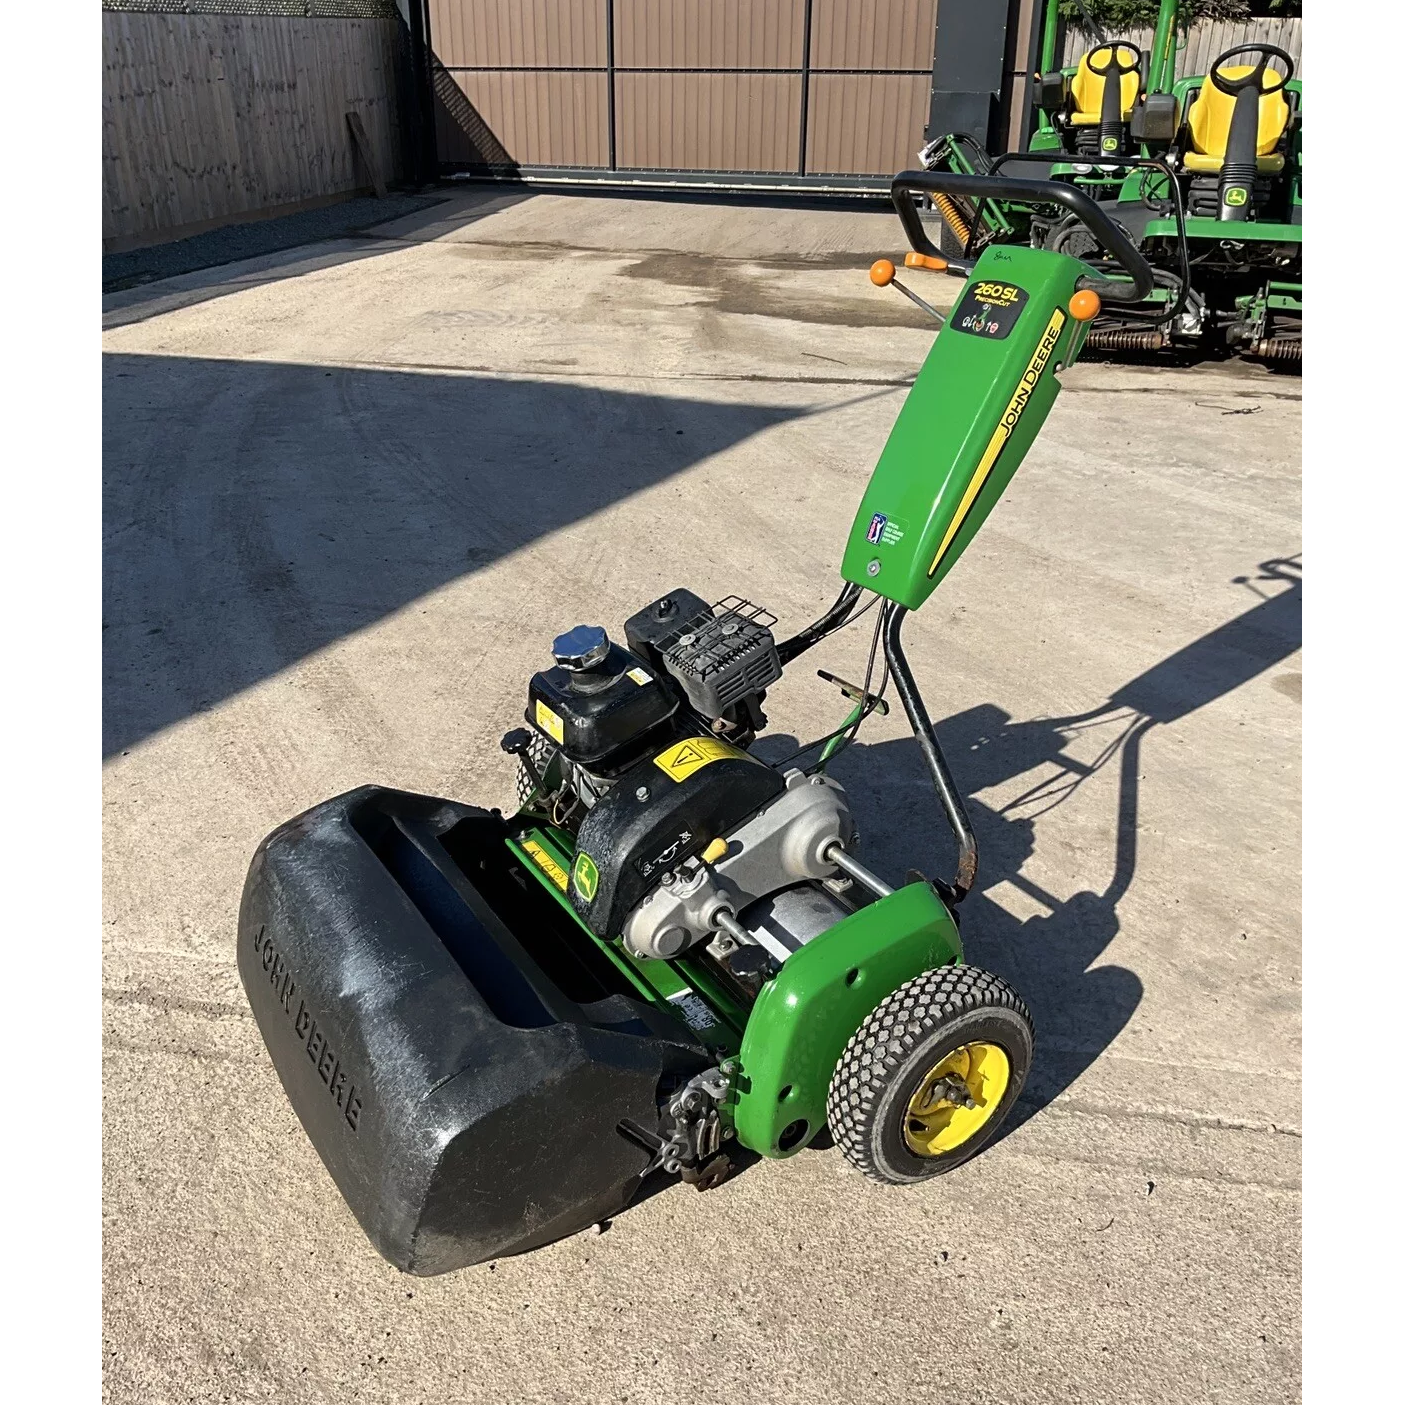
(1004, 429)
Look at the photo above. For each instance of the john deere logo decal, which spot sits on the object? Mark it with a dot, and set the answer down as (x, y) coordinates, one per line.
(1109, 143)
(585, 876)
(1236, 195)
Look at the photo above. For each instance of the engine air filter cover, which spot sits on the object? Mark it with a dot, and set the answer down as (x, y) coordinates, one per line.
(724, 657)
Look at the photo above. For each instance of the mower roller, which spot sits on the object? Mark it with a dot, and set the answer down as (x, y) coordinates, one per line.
(494, 1026)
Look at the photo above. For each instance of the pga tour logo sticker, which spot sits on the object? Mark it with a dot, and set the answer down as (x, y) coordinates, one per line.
(883, 532)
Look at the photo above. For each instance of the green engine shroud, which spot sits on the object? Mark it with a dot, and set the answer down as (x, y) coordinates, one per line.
(982, 394)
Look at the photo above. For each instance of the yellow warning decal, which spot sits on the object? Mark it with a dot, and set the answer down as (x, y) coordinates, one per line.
(1004, 430)
(546, 863)
(681, 760)
(639, 676)
(550, 723)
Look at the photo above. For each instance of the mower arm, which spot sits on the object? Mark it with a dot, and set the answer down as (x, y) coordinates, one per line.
(967, 856)
(995, 187)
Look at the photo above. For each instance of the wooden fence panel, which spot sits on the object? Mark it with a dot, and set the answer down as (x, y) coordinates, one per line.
(1204, 43)
(214, 117)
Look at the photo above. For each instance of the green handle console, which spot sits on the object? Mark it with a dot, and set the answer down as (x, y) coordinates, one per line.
(982, 394)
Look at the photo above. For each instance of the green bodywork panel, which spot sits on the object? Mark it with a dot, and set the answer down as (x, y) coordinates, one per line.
(971, 415)
(1247, 232)
(806, 1014)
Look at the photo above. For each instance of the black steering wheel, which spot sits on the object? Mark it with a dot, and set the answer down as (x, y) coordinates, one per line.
(1111, 134)
(1232, 87)
(1114, 62)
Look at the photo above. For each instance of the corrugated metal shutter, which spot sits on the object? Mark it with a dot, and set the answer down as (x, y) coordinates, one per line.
(826, 92)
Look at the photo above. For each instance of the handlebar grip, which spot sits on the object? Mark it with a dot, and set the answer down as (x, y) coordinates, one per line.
(907, 183)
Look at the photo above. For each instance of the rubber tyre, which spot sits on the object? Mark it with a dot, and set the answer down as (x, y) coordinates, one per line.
(948, 245)
(891, 1053)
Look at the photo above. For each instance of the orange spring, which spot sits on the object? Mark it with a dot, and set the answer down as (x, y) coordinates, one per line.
(948, 211)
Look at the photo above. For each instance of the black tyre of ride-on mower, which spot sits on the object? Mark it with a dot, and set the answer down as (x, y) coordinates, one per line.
(941, 1022)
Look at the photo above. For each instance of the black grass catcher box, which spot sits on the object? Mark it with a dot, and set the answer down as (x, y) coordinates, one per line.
(459, 1061)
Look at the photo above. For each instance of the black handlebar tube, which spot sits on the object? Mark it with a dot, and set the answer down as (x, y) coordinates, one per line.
(947, 793)
(1140, 162)
(997, 187)
(1239, 166)
(837, 615)
(1110, 114)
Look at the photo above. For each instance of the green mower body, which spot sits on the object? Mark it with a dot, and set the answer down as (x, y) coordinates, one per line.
(495, 1026)
(977, 404)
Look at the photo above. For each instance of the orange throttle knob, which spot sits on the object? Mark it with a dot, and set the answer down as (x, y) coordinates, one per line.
(1084, 305)
(882, 273)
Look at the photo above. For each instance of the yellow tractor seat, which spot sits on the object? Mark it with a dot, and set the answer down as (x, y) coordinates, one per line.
(1087, 91)
(1209, 118)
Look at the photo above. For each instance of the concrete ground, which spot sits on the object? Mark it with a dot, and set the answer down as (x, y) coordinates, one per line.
(354, 489)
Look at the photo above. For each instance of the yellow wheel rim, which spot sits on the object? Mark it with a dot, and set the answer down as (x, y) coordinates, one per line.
(937, 1120)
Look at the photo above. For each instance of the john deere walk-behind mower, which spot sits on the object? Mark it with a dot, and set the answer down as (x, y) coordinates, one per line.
(1203, 174)
(494, 1027)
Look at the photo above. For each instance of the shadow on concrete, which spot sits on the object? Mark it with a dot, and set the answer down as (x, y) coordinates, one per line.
(462, 135)
(257, 511)
(252, 238)
(1048, 957)
(145, 283)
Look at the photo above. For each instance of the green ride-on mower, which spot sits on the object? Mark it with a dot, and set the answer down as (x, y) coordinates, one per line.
(1203, 174)
(495, 1026)
(1233, 141)
(1087, 123)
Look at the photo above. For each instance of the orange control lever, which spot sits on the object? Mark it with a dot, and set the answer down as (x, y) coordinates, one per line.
(930, 262)
(1084, 305)
(882, 273)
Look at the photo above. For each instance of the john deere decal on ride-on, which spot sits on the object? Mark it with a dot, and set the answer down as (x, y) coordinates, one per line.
(494, 1026)
(1203, 174)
